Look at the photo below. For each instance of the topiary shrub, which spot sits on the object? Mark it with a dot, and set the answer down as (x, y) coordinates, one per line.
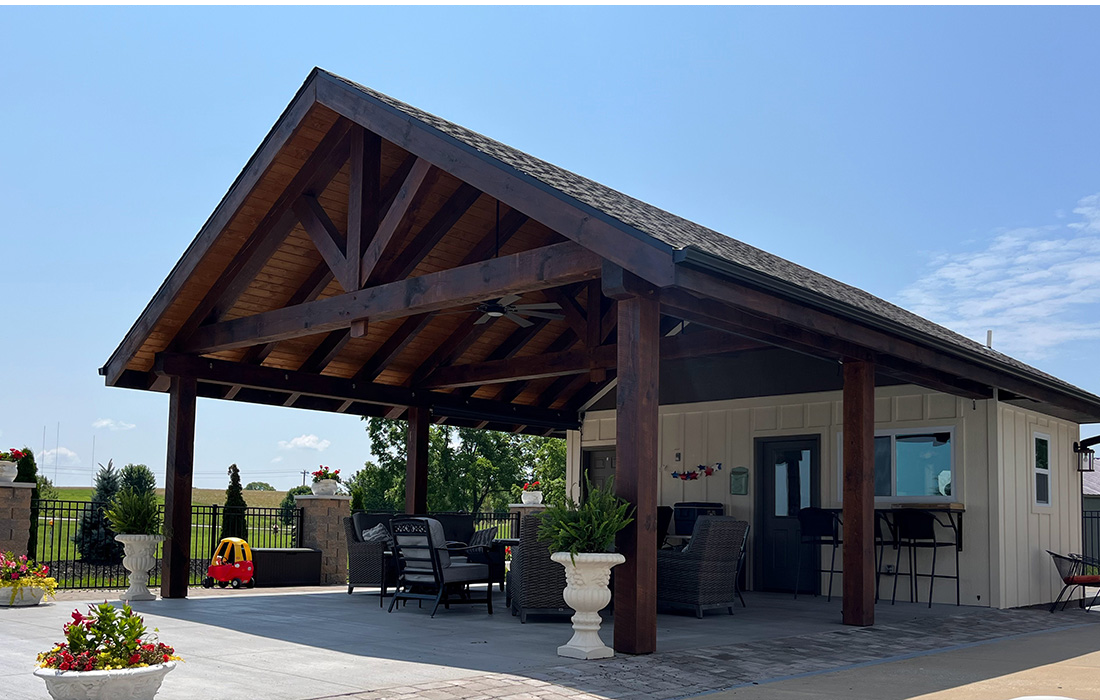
(234, 523)
(137, 478)
(27, 474)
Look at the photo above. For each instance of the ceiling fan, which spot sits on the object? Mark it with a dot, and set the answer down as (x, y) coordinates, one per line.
(507, 307)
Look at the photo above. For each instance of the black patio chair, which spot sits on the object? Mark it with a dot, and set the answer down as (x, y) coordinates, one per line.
(704, 574)
(1075, 570)
(426, 570)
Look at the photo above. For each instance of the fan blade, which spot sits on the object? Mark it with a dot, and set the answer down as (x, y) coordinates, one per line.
(518, 320)
(548, 306)
(484, 319)
(505, 301)
(543, 314)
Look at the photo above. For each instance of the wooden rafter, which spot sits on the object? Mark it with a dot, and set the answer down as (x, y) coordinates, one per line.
(315, 283)
(364, 199)
(380, 253)
(432, 232)
(516, 341)
(393, 346)
(330, 243)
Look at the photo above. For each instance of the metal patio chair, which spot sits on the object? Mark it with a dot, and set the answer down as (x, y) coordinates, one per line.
(1075, 570)
(426, 570)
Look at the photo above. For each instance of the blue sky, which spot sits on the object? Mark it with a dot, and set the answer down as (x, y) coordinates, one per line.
(947, 159)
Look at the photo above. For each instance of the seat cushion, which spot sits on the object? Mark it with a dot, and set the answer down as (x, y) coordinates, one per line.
(457, 573)
(1084, 580)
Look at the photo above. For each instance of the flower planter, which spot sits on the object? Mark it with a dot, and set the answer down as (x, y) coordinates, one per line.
(140, 555)
(24, 597)
(586, 591)
(8, 472)
(122, 684)
(531, 498)
(325, 487)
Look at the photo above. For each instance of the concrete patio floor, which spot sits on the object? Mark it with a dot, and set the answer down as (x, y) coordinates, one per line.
(302, 644)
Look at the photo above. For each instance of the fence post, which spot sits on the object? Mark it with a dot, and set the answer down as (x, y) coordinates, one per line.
(15, 517)
(214, 530)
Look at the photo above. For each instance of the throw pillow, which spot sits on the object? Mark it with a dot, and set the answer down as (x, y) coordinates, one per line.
(378, 533)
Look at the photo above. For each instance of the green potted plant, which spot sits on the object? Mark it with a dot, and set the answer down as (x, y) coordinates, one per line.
(28, 581)
(135, 516)
(581, 538)
(106, 654)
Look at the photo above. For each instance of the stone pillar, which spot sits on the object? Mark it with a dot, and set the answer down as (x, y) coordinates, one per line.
(15, 517)
(525, 509)
(323, 529)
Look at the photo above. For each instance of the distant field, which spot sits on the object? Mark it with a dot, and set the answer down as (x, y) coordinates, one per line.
(199, 497)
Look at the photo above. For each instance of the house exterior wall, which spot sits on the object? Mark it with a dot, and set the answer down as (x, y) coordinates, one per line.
(725, 431)
(1030, 529)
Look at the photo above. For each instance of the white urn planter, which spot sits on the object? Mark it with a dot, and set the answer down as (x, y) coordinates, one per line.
(122, 684)
(586, 591)
(139, 556)
(325, 487)
(8, 472)
(531, 498)
(24, 597)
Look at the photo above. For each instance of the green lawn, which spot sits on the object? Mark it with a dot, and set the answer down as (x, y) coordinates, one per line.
(199, 497)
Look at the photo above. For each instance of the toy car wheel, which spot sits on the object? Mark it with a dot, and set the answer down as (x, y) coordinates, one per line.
(222, 584)
(208, 582)
(252, 583)
(235, 583)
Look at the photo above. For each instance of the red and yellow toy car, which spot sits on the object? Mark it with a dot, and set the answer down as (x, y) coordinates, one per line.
(231, 565)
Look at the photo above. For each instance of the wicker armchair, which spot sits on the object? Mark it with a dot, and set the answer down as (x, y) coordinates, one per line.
(535, 583)
(368, 562)
(704, 575)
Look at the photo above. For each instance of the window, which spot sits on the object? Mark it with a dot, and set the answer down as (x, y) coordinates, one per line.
(912, 464)
(1042, 469)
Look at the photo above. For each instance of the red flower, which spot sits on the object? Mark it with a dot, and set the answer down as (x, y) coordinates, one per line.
(135, 659)
(167, 658)
(65, 666)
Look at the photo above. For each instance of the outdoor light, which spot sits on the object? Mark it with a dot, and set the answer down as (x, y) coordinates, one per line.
(1086, 456)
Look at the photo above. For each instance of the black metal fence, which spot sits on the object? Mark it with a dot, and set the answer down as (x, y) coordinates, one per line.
(81, 553)
(507, 524)
(1090, 542)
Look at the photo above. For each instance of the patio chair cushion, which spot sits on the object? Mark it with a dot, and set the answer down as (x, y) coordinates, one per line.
(457, 573)
(1083, 580)
(484, 538)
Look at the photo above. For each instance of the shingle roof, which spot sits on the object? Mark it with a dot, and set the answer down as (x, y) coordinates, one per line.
(678, 233)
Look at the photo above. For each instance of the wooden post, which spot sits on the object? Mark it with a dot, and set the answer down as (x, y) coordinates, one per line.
(416, 464)
(175, 570)
(636, 472)
(859, 493)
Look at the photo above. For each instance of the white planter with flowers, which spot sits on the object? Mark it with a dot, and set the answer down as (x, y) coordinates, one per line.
(326, 482)
(23, 582)
(8, 471)
(90, 666)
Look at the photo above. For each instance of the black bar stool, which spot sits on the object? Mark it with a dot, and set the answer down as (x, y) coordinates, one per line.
(915, 530)
(818, 527)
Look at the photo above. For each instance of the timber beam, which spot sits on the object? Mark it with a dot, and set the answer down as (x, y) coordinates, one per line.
(550, 266)
(286, 382)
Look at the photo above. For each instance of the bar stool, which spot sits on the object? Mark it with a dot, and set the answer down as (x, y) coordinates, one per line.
(818, 527)
(884, 536)
(915, 530)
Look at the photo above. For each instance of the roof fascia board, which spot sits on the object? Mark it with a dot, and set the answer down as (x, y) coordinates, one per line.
(710, 263)
(227, 208)
(602, 234)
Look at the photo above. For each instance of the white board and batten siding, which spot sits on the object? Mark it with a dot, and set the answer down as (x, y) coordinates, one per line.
(1003, 562)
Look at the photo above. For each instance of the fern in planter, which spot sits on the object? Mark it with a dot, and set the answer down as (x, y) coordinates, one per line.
(588, 527)
(134, 513)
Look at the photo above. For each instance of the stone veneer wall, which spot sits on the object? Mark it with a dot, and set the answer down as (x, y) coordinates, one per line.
(323, 529)
(15, 517)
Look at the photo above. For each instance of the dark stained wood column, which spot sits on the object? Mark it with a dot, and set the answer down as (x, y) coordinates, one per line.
(859, 493)
(416, 465)
(175, 571)
(636, 470)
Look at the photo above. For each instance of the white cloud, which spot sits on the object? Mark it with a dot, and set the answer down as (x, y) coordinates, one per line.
(1036, 288)
(276, 460)
(305, 442)
(112, 424)
(63, 455)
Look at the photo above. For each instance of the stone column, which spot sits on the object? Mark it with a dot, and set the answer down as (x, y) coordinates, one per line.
(323, 529)
(525, 509)
(15, 517)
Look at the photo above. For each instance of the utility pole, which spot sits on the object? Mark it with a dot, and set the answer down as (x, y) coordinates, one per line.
(305, 473)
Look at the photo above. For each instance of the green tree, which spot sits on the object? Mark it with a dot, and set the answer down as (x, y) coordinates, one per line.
(259, 486)
(95, 540)
(27, 473)
(137, 478)
(468, 470)
(46, 490)
(544, 460)
(287, 505)
(234, 523)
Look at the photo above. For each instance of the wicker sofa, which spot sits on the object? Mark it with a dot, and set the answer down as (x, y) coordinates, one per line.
(704, 575)
(368, 562)
(535, 583)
